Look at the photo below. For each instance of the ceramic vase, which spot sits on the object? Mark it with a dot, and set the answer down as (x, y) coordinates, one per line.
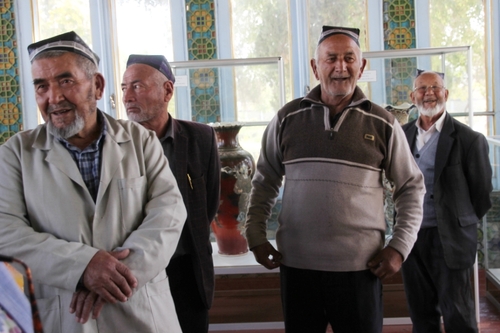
(237, 169)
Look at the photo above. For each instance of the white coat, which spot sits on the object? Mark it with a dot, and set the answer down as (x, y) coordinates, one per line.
(49, 220)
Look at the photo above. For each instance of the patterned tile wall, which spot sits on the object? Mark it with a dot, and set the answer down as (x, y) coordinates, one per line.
(11, 120)
(202, 45)
(399, 33)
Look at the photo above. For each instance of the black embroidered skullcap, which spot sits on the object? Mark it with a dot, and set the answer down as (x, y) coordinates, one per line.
(328, 31)
(158, 62)
(68, 41)
(420, 71)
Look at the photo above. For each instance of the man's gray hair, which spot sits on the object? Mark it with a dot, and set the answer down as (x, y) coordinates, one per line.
(316, 53)
(84, 63)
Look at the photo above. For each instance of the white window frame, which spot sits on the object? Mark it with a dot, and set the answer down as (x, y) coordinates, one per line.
(102, 21)
(101, 13)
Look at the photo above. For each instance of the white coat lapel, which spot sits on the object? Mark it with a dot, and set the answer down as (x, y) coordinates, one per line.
(111, 158)
(60, 157)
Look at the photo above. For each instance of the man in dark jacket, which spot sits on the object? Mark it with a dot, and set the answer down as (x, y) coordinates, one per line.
(454, 161)
(191, 150)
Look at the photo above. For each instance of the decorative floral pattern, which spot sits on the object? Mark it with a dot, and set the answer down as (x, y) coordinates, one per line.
(202, 45)
(399, 33)
(11, 120)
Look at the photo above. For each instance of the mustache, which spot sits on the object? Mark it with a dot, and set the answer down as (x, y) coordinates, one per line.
(62, 105)
(131, 105)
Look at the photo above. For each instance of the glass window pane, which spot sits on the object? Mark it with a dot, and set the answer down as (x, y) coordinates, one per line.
(460, 25)
(263, 81)
(250, 138)
(260, 28)
(266, 33)
(259, 79)
(142, 27)
(59, 16)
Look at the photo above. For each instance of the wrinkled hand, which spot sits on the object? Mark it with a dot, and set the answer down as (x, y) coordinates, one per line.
(108, 277)
(83, 303)
(267, 256)
(386, 263)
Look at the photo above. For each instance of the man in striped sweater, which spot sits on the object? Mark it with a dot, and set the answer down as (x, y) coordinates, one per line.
(332, 146)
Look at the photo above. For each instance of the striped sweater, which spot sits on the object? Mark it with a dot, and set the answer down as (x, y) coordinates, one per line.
(332, 215)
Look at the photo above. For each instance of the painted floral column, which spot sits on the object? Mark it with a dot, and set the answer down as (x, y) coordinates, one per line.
(202, 45)
(399, 33)
(10, 93)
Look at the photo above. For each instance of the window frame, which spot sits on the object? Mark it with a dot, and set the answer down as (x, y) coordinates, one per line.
(26, 27)
(102, 19)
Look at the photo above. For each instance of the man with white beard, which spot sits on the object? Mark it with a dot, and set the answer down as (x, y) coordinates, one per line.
(454, 161)
(89, 203)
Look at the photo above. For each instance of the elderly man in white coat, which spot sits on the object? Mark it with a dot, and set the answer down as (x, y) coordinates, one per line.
(89, 203)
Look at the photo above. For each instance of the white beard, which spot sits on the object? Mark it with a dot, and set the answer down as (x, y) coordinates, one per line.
(430, 112)
(68, 131)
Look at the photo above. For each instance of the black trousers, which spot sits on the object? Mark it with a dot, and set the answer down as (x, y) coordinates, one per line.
(350, 301)
(433, 290)
(191, 312)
